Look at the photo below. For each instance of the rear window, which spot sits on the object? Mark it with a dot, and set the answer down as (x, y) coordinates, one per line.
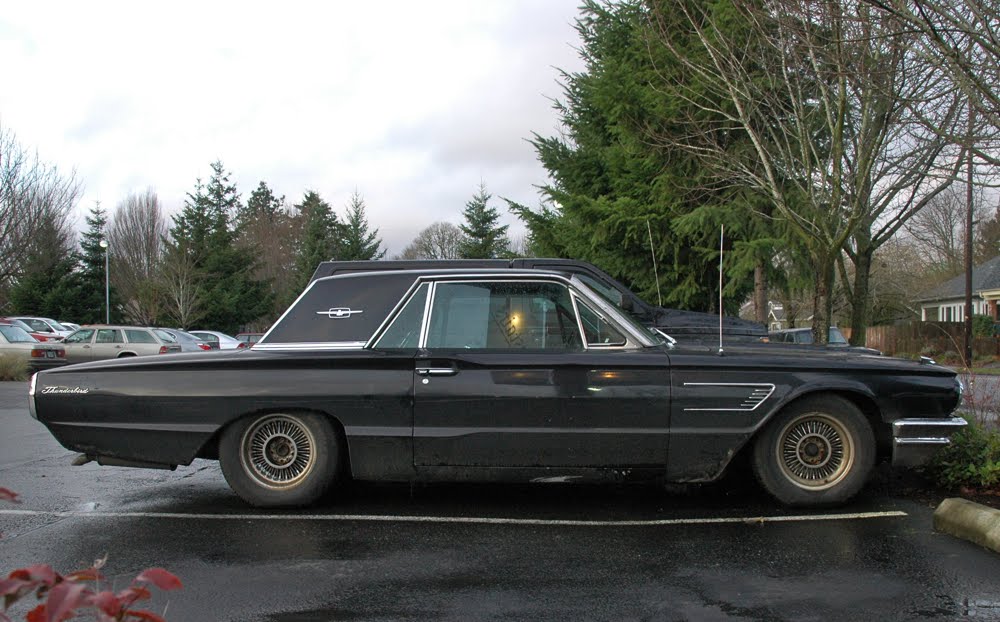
(344, 309)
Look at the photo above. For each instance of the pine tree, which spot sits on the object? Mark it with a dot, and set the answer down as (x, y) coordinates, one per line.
(616, 192)
(262, 205)
(321, 234)
(484, 238)
(82, 296)
(220, 271)
(358, 242)
(47, 268)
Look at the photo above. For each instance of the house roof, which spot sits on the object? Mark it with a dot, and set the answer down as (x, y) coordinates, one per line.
(984, 276)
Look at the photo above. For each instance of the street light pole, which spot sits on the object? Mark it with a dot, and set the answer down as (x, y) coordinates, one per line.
(107, 284)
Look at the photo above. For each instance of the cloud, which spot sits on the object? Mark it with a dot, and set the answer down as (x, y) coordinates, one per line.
(410, 103)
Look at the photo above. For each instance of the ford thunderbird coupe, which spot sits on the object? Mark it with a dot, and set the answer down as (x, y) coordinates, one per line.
(497, 375)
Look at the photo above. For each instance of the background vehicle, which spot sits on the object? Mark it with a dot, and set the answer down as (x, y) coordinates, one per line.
(70, 325)
(14, 341)
(46, 336)
(804, 336)
(187, 341)
(249, 338)
(44, 325)
(219, 341)
(681, 325)
(95, 343)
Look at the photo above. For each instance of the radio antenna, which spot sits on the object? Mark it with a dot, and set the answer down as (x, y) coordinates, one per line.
(659, 300)
(722, 237)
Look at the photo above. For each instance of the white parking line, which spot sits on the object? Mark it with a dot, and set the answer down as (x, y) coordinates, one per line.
(378, 518)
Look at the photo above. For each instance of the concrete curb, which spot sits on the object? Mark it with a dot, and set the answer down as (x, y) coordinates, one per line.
(970, 521)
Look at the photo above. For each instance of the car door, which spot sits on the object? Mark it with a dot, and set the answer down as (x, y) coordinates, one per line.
(506, 379)
(78, 346)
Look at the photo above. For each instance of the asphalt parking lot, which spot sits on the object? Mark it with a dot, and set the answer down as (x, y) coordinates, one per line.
(475, 552)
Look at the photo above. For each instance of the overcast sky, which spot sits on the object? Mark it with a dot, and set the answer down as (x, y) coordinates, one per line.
(410, 103)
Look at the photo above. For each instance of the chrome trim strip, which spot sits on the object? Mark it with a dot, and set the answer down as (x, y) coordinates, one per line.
(930, 440)
(31, 397)
(318, 345)
(750, 403)
(950, 422)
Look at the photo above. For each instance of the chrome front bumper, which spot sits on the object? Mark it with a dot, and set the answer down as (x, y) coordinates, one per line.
(914, 441)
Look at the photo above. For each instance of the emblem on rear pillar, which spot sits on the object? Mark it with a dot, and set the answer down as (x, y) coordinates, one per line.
(339, 313)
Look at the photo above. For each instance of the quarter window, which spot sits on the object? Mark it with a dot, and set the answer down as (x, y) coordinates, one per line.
(506, 315)
(404, 332)
(596, 328)
(139, 336)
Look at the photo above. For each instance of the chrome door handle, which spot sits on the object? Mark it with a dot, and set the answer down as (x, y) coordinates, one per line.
(437, 371)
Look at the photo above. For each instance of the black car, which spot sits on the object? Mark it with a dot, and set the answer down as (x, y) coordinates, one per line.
(500, 375)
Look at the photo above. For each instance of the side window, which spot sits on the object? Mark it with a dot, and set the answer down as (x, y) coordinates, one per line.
(511, 315)
(597, 330)
(38, 326)
(404, 332)
(139, 336)
(81, 336)
(109, 335)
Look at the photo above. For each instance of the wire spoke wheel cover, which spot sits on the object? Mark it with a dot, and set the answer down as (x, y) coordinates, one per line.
(815, 451)
(278, 451)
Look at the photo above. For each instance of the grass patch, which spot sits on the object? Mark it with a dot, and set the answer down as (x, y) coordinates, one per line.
(13, 367)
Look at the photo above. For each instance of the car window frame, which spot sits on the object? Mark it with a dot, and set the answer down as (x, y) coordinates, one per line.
(574, 285)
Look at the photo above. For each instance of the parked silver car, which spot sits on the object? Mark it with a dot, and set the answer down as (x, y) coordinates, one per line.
(95, 343)
(16, 343)
(187, 341)
(219, 341)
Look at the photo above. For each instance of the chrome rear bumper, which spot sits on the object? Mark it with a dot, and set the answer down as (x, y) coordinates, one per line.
(914, 441)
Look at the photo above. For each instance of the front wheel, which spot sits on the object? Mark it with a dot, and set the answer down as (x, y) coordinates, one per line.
(816, 452)
(280, 460)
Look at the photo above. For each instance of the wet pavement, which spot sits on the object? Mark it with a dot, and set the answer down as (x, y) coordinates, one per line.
(478, 552)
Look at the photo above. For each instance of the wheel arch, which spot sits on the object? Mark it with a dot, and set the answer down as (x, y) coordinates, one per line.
(863, 400)
(210, 449)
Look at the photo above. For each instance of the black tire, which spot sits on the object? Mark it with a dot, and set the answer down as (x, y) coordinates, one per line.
(280, 459)
(818, 451)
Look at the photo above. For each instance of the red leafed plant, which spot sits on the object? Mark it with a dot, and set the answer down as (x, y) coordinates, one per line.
(61, 596)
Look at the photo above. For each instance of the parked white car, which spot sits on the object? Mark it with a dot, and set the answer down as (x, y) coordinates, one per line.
(218, 341)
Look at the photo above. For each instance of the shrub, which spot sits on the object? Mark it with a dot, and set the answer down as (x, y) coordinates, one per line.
(972, 459)
(62, 596)
(982, 326)
(13, 367)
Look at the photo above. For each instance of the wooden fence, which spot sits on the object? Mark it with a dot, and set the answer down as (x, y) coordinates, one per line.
(926, 338)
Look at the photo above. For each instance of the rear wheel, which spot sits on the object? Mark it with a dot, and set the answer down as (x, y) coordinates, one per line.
(817, 451)
(280, 460)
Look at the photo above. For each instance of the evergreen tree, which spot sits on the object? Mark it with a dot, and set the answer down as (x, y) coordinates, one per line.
(46, 269)
(262, 205)
(484, 238)
(321, 235)
(81, 295)
(617, 194)
(358, 242)
(203, 239)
